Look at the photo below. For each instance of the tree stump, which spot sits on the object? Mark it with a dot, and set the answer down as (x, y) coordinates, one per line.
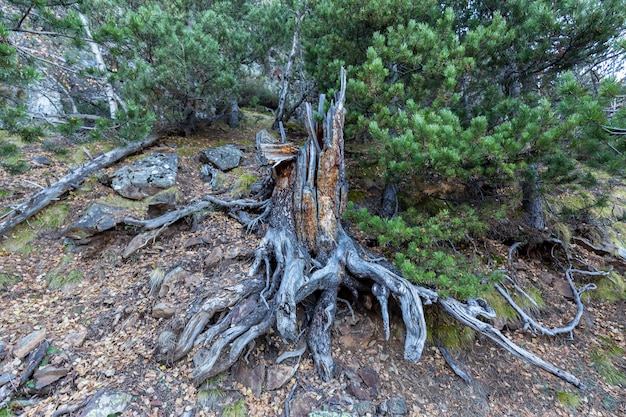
(305, 254)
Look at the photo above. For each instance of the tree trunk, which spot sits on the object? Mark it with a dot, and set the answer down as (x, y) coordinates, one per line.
(287, 75)
(531, 200)
(306, 255)
(108, 88)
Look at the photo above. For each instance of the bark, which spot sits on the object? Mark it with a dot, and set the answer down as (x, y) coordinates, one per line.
(305, 256)
(531, 200)
(40, 200)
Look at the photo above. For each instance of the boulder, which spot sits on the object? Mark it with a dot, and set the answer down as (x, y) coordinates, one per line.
(98, 218)
(224, 157)
(147, 176)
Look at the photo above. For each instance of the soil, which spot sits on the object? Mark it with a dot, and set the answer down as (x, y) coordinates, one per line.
(104, 332)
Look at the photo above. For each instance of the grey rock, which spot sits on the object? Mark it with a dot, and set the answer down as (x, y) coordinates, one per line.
(28, 343)
(98, 218)
(361, 408)
(107, 403)
(42, 160)
(162, 311)
(224, 157)
(329, 414)
(278, 375)
(147, 176)
(76, 338)
(395, 406)
(47, 375)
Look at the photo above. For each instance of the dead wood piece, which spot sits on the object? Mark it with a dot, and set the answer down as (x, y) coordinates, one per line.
(38, 201)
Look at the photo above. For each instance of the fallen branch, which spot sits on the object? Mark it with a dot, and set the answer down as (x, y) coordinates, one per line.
(41, 199)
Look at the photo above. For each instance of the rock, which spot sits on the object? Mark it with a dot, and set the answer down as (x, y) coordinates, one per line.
(5, 378)
(147, 176)
(362, 408)
(302, 405)
(28, 343)
(358, 392)
(251, 377)
(193, 241)
(329, 414)
(98, 218)
(224, 157)
(47, 375)
(394, 406)
(370, 377)
(162, 311)
(355, 336)
(215, 257)
(563, 288)
(164, 202)
(42, 160)
(76, 338)
(278, 375)
(104, 404)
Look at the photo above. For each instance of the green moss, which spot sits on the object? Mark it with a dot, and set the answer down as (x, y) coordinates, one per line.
(4, 193)
(568, 399)
(610, 288)
(603, 360)
(19, 239)
(7, 279)
(356, 196)
(502, 308)
(53, 216)
(235, 410)
(242, 185)
(62, 279)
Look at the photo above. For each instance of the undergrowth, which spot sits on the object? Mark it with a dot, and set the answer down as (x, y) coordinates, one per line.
(604, 359)
(426, 248)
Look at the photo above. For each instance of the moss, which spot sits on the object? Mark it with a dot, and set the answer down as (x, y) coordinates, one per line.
(243, 184)
(502, 308)
(19, 239)
(356, 196)
(568, 399)
(236, 410)
(8, 279)
(603, 360)
(53, 216)
(63, 278)
(610, 288)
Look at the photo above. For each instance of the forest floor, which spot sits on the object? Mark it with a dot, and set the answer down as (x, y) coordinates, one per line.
(96, 309)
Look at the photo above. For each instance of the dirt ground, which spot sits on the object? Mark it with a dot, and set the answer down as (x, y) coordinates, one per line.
(103, 329)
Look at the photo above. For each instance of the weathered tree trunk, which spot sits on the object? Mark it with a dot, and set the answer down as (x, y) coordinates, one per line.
(306, 255)
(531, 200)
(287, 75)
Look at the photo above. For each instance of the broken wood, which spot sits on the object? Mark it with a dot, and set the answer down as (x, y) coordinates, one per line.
(40, 200)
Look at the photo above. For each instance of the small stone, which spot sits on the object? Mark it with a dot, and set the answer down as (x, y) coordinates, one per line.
(76, 338)
(362, 408)
(28, 343)
(370, 377)
(251, 377)
(215, 257)
(162, 311)
(359, 392)
(394, 406)
(278, 375)
(47, 375)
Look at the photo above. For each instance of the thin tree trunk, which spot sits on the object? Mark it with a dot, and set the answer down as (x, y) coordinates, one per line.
(531, 200)
(287, 75)
(95, 49)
